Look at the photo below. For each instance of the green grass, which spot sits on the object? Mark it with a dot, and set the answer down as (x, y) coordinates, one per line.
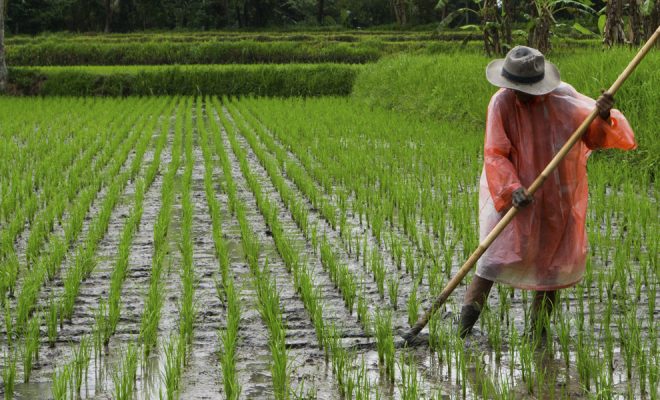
(232, 80)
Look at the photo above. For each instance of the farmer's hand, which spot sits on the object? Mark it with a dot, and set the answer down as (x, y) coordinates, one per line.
(521, 198)
(604, 104)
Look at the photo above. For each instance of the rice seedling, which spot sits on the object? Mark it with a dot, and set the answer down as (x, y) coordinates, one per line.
(62, 379)
(9, 326)
(51, 321)
(409, 387)
(174, 360)
(9, 375)
(31, 346)
(385, 341)
(378, 271)
(228, 340)
(81, 358)
(393, 290)
(413, 306)
(124, 376)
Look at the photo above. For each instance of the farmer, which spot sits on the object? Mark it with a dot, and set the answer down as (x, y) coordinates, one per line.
(529, 119)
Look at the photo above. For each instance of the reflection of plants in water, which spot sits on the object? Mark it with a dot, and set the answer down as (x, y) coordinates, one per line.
(409, 386)
(174, 350)
(9, 375)
(413, 306)
(124, 376)
(31, 346)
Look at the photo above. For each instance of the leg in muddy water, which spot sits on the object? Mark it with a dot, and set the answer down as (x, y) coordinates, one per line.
(475, 299)
(541, 312)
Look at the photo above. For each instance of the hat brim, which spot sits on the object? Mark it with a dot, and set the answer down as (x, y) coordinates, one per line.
(550, 81)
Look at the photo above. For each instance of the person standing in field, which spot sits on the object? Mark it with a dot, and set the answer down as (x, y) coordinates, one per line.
(544, 248)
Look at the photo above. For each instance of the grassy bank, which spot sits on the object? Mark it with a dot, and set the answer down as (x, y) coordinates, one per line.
(454, 88)
(234, 80)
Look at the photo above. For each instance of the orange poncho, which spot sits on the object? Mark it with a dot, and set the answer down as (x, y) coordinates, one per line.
(545, 246)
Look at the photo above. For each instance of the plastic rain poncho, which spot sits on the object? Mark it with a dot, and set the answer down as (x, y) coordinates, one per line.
(545, 246)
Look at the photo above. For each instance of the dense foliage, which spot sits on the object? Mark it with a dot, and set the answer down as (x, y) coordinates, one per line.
(33, 16)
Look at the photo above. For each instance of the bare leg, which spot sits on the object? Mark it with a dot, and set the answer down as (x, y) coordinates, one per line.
(475, 299)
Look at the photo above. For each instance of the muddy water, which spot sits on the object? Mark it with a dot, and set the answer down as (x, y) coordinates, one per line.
(561, 381)
(202, 378)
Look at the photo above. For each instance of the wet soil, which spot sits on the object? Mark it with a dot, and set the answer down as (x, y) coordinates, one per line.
(311, 374)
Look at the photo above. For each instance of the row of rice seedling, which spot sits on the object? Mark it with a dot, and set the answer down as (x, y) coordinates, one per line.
(50, 199)
(227, 290)
(621, 236)
(84, 263)
(31, 180)
(343, 278)
(155, 294)
(149, 80)
(263, 282)
(160, 53)
(229, 36)
(39, 273)
(178, 346)
(106, 327)
(344, 364)
(346, 281)
(47, 265)
(303, 281)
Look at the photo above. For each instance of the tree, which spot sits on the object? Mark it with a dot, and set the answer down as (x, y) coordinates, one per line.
(110, 7)
(491, 23)
(542, 19)
(613, 33)
(636, 26)
(651, 13)
(400, 12)
(3, 66)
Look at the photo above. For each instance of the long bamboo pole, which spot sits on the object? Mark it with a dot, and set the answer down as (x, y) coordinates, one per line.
(508, 217)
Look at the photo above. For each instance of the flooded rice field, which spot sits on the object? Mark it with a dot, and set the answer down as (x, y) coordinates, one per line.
(260, 249)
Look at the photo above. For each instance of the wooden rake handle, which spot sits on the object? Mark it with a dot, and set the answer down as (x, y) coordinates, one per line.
(472, 260)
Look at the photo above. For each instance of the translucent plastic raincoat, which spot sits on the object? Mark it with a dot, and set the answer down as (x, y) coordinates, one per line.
(545, 246)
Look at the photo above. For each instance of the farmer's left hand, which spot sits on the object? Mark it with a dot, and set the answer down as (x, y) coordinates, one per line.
(604, 104)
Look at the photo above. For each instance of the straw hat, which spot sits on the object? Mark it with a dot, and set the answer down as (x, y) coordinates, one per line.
(524, 69)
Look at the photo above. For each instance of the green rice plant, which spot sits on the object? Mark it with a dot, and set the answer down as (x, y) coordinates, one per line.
(81, 358)
(378, 271)
(564, 333)
(124, 376)
(9, 375)
(229, 339)
(397, 250)
(413, 306)
(61, 381)
(363, 315)
(31, 346)
(9, 326)
(51, 321)
(10, 269)
(385, 341)
(174, 353)
(393, 290)
(494, 330)
(348, 287)
(410, 261)
(410, 386)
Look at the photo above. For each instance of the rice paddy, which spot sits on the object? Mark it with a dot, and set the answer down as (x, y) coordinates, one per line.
(205, 247)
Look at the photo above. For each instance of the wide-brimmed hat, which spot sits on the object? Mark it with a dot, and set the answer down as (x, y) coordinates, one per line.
(524, 69)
